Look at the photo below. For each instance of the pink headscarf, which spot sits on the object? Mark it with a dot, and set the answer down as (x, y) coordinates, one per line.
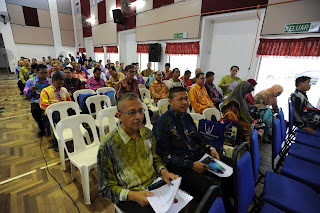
(270, 94)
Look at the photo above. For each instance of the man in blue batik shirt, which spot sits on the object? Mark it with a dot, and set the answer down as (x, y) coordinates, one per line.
(33, 89)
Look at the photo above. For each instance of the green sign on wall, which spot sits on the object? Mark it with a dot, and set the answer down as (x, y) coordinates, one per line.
(179, 35)
(297, 28)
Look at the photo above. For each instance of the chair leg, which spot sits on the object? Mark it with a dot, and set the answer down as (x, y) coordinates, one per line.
(61, 154)
(85, 184)
(73, 171)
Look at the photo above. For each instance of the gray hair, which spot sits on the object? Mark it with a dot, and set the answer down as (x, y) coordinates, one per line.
(129, 96)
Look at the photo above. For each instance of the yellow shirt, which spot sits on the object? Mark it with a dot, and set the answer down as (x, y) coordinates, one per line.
(158, 90)
(114, 82)
(22, 72)
(51, 95)
(199, 98)
(147, 72)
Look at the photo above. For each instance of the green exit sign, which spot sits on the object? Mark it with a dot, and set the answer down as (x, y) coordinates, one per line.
(297, 28)
(180, 35)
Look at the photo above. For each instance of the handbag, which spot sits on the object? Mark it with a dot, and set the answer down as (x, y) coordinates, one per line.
(212, 133)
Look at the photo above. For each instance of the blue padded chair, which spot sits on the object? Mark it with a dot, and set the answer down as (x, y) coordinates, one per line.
(308, 140)
(304, 152)
(254, 151)
(243, 181)
(295, 168)
(217, 206)
(267, 208)
(290, 195)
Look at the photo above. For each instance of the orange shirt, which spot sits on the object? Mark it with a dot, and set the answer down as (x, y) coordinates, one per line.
(158, 90)
(199, 98)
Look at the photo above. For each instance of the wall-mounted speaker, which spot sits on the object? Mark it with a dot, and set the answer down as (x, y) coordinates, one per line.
(117, 16)
(155, 52)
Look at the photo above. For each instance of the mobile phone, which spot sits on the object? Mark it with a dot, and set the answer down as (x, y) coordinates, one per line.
(156, 185)
(214, 166)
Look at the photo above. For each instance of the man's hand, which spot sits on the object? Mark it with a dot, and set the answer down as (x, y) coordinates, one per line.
(33, 88)
(199, 167)
(140, 197)
(214, 154)
(167, 176)
(309, 129)
(226, 85)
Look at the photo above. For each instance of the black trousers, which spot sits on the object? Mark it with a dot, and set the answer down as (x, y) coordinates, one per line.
(21, 86)
(133, 207)
(36, 112)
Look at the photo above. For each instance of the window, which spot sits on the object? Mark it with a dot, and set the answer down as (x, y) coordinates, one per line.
(113, 57)
(183, 62)
(284, 71)
(99, 56)
(143, 61)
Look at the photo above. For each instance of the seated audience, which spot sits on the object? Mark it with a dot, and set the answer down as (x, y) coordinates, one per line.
(127, 160)
(236, 108)
(158, 89)
(212, 91)
(198, 95)
(33, 70)
(115, 77)
(54, 93)
(95, 82)
(167, 72)
(138, 77)
(179, 145)
(117, 66)
(186, 79)
(56, 68)
(74, 64)
(33, 90)
(121, 69)
(70, 83)
(102, 75)
(44, 59)
(66, 62)
(108, 64)
(78, 73)
(193, 80)
(20, 84)
(175, 81)
(269, 97)
(147, 72)
(24, 69)
(299, 101)
(228, 79)
(128, 84)
(86, 65)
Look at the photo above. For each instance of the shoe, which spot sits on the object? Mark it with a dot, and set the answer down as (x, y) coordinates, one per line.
(41, 133)
(55, 145)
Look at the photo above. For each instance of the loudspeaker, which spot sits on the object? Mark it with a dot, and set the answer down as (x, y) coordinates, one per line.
(155, 52)
(117, 16)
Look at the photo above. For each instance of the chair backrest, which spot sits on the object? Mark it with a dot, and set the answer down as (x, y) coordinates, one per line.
(82, 91)
(145, 79)
(62, 108)
(290, 116)
(243, 181)
(74, 123)
(163, 105)
(213, 194)
(207, 113)
(141, 86)
(145, 94)
(90, 70)
(254, 150)
(96, 100)
(146, 114)
(103, 90)
(277, 138)
(167, 82)
(109, 113)
(283, 125)
(196, 117)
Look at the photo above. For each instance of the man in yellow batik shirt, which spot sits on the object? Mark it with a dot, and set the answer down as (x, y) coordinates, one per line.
(228, 79)
(158, 89)
(147, 72)
(198, 95)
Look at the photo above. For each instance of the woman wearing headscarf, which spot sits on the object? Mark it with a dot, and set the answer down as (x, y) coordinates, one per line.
(236, 108)
(250, 98)
(268, 97)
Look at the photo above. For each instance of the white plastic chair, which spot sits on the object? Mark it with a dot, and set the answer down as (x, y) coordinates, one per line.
(82, 91)
(146, 114)
(84, 156)
(107, 116)
(207, 113)
(103, 90)
(62, 108)
(196, 118)
(96, 100)
(145, 79)
(146, 97)
(142, 86)
(167, 82)
(163, 105)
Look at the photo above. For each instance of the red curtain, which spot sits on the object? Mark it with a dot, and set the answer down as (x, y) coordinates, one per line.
(112, 49)
(142, 48)
(290, 47)
(82, 49)
(187, 48)
(98, 50)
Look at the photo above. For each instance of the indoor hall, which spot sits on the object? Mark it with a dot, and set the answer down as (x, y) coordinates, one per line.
(271, 42)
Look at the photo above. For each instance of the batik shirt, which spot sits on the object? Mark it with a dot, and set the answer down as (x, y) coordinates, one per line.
(35, 95)
(125, 86)
(158, 90)
(199, 98)
(178, 143)
(227, 80)
(125, 164)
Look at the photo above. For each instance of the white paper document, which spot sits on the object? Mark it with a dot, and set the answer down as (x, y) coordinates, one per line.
(227, 173)
(163, 199)
(233, 85)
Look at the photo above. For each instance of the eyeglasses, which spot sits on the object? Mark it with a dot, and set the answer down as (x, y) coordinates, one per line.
(134, 112)
(202, 78)
(132, 71)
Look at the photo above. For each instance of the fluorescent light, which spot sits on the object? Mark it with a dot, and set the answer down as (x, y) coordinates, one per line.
(91, 20)
(138, 3)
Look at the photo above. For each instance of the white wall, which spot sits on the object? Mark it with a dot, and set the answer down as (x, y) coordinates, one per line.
(35, 51)
(227, 40)
(89, 47)
(128, 47)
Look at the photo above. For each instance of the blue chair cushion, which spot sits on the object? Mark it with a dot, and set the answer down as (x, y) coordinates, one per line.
(290, 195)
(306, 153)
(302, 171)
(111, 95)
(81, 102)
(217, 206)
(277, 137)
(267, 208)
(245, 182)
(283, 125)
(317, 134)
(308, 140)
